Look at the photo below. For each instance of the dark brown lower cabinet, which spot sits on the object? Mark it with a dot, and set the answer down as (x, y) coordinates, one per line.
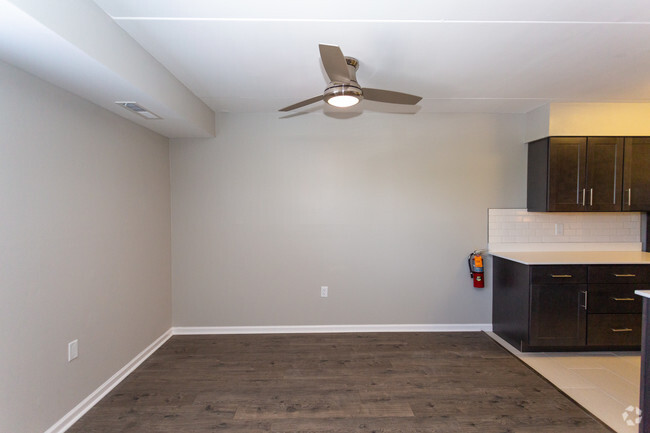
(557, 315)
(568, 307)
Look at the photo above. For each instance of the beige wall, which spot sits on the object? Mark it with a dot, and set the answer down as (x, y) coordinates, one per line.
(594, 119)
(599, 119)
(84, 247)
(381, 208)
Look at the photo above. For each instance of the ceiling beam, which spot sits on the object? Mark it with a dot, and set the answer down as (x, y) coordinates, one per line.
(76, 46)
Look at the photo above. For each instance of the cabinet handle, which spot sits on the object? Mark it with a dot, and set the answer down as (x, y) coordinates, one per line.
(624, 275)
(629, 196)
(561, 276)
(585, 293)
(623, 299)
(584, 193)
(591, 197)
(622, 329)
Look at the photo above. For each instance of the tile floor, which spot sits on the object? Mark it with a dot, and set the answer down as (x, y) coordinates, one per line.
(604, 383)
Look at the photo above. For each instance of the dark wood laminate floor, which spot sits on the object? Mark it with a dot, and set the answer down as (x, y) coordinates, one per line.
(337, 383)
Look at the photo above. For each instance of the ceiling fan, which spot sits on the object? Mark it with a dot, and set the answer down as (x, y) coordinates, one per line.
(343, 89)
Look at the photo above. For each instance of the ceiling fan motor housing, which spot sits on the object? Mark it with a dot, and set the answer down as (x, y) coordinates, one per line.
(350, 88)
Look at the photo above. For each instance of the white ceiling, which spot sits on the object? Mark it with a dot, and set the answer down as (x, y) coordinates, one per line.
(471, 55)
(507, 56)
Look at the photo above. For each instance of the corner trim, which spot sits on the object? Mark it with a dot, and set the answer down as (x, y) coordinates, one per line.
(207, 330)
(86, 404)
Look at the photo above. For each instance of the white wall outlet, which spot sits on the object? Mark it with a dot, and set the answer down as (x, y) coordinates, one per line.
(559, 229)
(323, 291)
(73, 350)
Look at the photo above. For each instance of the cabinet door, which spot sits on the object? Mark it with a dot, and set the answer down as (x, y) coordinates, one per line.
(604, 173)
(558, 315)
(566, 174)
(636, 174)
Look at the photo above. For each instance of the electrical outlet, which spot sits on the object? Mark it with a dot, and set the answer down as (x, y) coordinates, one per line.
(559, 229)
(323, 291)
(73, 350)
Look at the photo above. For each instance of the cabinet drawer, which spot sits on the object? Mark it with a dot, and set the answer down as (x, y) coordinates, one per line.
(619, 274)
(614, 330)
(615, 298)
(558, 274)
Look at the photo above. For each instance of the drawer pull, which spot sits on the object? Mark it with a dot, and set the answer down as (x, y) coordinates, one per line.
(624, 275)
(586, 295)
(621, 329)
(561, 276)
(623, 299)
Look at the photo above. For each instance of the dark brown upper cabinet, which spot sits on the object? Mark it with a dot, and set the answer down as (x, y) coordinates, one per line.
(604, 174)
(636, 174)
(575, 174)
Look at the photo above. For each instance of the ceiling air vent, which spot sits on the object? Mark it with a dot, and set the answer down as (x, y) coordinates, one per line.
(137, 109)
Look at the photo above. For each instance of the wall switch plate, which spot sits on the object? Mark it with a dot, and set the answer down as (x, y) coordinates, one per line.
(73, 350)
(559, 229)
(323, 291)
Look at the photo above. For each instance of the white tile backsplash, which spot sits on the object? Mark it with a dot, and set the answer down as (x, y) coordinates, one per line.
(521, 226)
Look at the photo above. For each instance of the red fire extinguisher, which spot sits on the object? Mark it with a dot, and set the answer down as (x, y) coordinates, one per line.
(475, 261)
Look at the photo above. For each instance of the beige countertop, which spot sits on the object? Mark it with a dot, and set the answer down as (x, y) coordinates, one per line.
(575, 257)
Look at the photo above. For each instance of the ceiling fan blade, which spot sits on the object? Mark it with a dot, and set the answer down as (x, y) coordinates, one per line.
(390, 96)
(334, 63)
(302, 103)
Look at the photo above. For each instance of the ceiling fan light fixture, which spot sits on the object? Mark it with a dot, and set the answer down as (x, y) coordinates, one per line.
(343, 101)
(343, 95)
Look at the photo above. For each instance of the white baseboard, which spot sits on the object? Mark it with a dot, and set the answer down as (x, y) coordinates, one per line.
(206, 330)
(73, 416)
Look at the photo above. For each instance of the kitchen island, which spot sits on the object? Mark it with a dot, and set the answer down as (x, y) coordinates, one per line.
(644, 404)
